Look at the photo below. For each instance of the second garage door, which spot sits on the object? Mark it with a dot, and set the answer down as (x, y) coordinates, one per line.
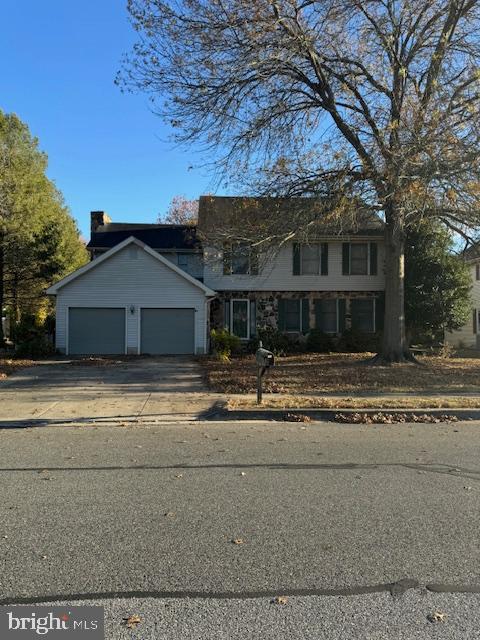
(167, 331)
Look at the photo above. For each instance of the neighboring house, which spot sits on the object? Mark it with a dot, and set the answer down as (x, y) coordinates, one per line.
(154, 289)
(468, 336)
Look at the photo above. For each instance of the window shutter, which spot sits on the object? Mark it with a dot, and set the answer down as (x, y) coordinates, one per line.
(318, 315)
(477, 271)
(346, 258)
(253, 318)
(342, 311)
(380, 312)
(373, 258)
(474, 321)
(305, 315)
(324, 259)
(227, 260)
(296, 259)
(253, 262)
(281, 314)
(226, 314)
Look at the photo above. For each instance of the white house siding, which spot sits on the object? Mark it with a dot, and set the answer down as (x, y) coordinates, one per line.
(465, 337)
(131, 277)
(277, 274)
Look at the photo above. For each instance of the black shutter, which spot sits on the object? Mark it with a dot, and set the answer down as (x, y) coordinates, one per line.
(379, 312)
(227, 260)
(373, 258)
(342, 311)
(318, 315)
(346, 258)
(253, 318)
(477, 271)
(324, 259)
(474, 317)
(253, 262)
(305, 315)
(296, 259)
(281, 314)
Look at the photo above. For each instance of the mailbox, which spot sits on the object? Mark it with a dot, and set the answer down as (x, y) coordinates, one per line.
(265, 358)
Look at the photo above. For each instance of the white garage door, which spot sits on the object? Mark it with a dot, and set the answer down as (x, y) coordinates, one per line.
(167, 331)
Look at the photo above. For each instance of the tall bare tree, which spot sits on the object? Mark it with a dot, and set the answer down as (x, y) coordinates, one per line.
(379, 99)
(181, 211)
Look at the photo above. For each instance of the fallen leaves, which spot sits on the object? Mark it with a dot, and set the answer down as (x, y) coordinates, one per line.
(238, 541)
(437, 616)
(132, 621)
(296, 417)
(392, 418)
(283, 600)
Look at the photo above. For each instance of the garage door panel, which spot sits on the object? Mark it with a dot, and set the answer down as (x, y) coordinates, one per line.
(167, 331)
(96, 331)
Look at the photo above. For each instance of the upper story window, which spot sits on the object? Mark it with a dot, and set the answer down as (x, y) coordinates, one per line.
(310, 259)
(359, 259)
(239, 258)
(477, 271)
(183, 261)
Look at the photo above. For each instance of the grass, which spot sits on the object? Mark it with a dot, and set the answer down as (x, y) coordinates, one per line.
(340, 373)
(376, 402)
(11, 365)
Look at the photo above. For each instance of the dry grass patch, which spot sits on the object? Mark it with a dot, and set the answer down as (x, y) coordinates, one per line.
(374, 402)
(345, 373)
(10, 365)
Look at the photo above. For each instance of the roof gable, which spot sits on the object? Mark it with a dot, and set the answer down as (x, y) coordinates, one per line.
(53, 290)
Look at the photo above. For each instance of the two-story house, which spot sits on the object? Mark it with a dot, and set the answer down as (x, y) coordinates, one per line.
(159, 289)
(468, 336)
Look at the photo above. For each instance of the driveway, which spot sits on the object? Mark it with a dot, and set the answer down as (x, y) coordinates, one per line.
(137, 389)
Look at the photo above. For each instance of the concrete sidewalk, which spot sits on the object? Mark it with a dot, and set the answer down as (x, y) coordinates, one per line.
(142, 389)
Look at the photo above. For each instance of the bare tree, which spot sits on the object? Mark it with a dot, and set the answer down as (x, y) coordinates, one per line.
(374, 99)
(181, 211)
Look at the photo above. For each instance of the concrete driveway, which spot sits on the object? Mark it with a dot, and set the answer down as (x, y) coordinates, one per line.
(137, 389)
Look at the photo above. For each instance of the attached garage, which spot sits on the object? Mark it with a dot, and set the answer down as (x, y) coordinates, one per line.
(131, 300)
(96, 331)
(167, 331)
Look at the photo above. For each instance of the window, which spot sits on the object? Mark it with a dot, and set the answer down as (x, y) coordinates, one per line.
(326, 315)
(239, 258)
(240, 318)
(359, 258)
(183, 261)
(292, 315)
(362, 312)
(310, 259)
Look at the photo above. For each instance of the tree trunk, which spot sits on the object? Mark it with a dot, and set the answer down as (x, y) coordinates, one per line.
(395, 346)
(2, 285)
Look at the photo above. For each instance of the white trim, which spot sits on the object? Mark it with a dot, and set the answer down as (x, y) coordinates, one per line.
(53, 290)
(247, 300)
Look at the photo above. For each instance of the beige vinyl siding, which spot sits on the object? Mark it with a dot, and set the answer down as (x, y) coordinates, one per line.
(465, 336)
(277, 274)
(131, 278)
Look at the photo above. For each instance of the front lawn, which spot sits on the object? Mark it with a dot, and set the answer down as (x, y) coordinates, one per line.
(345, 373)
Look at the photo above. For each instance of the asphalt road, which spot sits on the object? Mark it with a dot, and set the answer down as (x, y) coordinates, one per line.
(142, 519)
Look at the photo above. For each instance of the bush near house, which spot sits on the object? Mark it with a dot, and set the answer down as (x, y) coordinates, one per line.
(31, 337)
(224, 343)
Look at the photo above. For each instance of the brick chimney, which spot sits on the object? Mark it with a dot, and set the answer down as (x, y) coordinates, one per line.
(97, 220)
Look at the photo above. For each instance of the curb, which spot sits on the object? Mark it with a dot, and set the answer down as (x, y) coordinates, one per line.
(328, 415)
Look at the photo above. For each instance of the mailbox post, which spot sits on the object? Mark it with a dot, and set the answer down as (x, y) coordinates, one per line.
(265, 360)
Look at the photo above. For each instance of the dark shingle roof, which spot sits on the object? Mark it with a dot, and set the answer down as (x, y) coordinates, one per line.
(156, 236)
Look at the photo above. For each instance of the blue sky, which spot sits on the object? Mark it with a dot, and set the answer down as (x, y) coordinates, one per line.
(58, 61)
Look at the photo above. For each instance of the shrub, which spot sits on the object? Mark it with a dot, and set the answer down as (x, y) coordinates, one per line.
(30, 337)
(224, 343)
(275, 341)
(357, 341)
(319, 342)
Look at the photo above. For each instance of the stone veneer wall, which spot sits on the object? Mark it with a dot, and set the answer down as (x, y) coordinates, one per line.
(267, 303)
